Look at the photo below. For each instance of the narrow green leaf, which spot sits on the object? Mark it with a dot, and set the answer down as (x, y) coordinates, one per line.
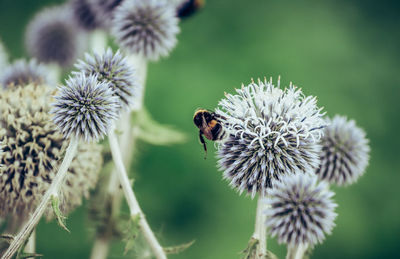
(55, 204)
(179, 248)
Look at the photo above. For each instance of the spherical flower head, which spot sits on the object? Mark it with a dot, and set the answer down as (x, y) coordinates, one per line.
(105, 10)
(146, 28)
(85, 108)
(53, 37)
(32, 151)
(301, 210)
(345, 152)
(271, 132)
(85, 14)
(113, 69)
(22, 73)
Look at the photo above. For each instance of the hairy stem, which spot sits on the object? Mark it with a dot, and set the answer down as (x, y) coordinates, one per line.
(131, 199)
(260, 230)
(98, 41)
(43, 205)
(296, 252)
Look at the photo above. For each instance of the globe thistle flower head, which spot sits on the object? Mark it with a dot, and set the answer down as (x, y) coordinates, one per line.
(33, 149)
(23, 73)
(271, 132)
(345, 152)
(85, 14)
(301, 210)
(146, 28)
(85, 108)
(105, 10)
(53, 37)
(113, 69)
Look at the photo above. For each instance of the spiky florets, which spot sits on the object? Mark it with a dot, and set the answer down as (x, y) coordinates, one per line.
(85, 108)
(301, 210)
(345, 152)
(113, 69)
(147, 28)
(271, 132)
(32, 151)
(22, 73)
(52, 37)
(85, 14)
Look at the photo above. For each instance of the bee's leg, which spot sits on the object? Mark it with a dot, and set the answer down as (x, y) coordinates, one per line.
(203, 142)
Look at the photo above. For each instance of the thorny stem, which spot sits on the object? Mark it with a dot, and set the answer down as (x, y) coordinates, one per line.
(131, 199)
(100, 249)
(296, 252)
(260, 230)
(43, 205)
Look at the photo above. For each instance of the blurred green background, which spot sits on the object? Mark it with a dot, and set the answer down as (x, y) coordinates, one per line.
(345, 52)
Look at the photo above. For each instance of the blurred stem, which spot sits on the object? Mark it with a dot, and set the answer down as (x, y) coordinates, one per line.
(55, 186)
(98, 41)
(100, 249)
(296, 252)
(260, 230)
(131, 199)
(30, 247)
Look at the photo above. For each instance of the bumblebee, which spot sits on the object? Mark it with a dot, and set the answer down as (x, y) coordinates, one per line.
(209, 125)
(189, 7)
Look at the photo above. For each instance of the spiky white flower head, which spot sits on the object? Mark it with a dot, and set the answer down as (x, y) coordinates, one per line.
(345, 152)
(301, 210)
(113, 69)
(85, 108)
(22, 73)
(271, 132)
(146, 28)
(3, 57)
(33, 149)
(53, 37)
(85, 14)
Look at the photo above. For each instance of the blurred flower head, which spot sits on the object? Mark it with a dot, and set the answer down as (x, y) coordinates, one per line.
(22, 72)
(113, 69)
(300, 211)
(146, 28)
(345, 152)
(271, 132)
(33, 149)
(85, 108)
(85, 14)
(53, 37)
(105, 10)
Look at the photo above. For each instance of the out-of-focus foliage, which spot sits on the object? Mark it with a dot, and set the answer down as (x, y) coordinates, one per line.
(345, 52)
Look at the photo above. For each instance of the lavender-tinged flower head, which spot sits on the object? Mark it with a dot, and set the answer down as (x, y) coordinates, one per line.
(53, 37)
(271, 132)
(105, 10)
(146, 28)
(301, 210)
(22, 73)
(85, 14)
(113, 69)
(85, 108)
(345, 152)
